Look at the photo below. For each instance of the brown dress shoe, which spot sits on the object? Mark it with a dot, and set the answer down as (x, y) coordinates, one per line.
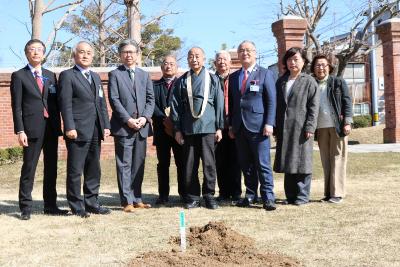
(128, 208)
(141, 205)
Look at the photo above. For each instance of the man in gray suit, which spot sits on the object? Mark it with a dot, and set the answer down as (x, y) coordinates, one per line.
(132, 101)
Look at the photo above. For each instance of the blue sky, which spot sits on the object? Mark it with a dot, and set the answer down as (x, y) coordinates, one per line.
(203, 23)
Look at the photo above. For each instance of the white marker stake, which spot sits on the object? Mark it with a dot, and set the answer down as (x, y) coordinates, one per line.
(182, 230)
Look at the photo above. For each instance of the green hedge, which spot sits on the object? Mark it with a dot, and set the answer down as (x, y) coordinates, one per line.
(10, 155)
(362, 121)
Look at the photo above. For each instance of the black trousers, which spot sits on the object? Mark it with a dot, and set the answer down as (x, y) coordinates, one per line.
(196, 147)
(163, 148)
(48, 141)
(83, 157)
(297, 186)
(228, 168)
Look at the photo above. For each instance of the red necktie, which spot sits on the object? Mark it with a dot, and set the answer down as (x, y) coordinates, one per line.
(40, 85)
(244, 81)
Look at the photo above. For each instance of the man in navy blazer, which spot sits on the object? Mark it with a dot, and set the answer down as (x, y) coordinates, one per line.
(252, 108)
(84, 113)
(38, 126)
(132, 101)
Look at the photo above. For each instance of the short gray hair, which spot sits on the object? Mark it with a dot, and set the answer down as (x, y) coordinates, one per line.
(197, 47)
(247, 42)
(127, 42)
(223, 52)
(82, 42)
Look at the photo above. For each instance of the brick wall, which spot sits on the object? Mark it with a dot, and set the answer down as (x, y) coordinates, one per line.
(9, 139)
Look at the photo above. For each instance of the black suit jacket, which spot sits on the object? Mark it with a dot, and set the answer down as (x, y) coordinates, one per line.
(79, 106)
(162, 97)
(28, 102)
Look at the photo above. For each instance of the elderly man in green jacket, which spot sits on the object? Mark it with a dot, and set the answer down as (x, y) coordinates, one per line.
(197, 115)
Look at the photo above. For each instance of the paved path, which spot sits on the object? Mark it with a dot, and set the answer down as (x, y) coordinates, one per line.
(366, 148)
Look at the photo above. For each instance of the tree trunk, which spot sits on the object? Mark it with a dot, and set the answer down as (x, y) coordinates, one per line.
(37, 19)
(341, 66)
(134, 26)
(102, 35)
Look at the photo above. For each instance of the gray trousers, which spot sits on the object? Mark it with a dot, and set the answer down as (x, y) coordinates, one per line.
(297, 186)
(130, 153)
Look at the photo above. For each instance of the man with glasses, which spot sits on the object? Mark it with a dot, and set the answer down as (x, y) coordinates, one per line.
(252, 109)
(84, 113)
(131, 97)
(197, 115)
(163, 131)
(37, 123)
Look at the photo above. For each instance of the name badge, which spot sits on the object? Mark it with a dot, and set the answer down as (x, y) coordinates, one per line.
(101, 93)
(254, 87)
(52, 89)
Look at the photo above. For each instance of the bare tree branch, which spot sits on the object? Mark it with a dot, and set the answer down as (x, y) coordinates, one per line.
(61, 6)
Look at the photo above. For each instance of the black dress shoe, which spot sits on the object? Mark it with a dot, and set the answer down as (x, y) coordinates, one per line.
(54, 211)
(221, 198)
(162, 201)
(98, 210)
(82, 214)
(193, 204)
(244, 202)
(25, 215)
(269, 205)
(210, 203)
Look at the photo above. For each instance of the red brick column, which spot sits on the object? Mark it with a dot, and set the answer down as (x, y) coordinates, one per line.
(389, 33)
(289, 32)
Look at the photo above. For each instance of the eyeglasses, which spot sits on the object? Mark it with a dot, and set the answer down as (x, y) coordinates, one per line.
(35, 49)
(321, 66)
(247, 50)
(128, 52)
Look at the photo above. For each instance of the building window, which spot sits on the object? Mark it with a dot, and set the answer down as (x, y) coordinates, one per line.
(361, 109)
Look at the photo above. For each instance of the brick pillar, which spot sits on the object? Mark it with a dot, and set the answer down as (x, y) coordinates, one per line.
(389, 33)
(289, 32)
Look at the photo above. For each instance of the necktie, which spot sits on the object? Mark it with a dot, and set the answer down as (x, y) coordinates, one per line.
(244, 81)
(88, 77)
(131, 74)
(40, 85)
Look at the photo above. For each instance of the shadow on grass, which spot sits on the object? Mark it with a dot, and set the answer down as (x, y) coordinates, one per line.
(109, 200)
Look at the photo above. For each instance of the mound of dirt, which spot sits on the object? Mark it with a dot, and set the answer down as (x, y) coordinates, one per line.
(214, 245)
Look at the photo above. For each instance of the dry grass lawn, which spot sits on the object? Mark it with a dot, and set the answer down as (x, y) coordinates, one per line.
(362, 231)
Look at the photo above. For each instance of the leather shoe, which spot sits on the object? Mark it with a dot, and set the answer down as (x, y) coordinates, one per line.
(162, 201)
(25, 215)
(269, 205)
(54, 211)
(244, 202)
(128, 208)
(300, 202)
(193, 204)
(141, 205)
(81, 213)
(210, 203)
(98, 210)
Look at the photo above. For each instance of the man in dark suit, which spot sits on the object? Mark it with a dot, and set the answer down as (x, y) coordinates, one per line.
(252, 108)
(37, 123)
(84, 112)
(163, 131)
(132, 101)
(228, 168)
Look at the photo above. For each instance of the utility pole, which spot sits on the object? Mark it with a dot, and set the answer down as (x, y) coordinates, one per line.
(374, 78)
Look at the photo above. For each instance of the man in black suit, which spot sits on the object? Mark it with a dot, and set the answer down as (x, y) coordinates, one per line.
(37, 123)
(132, 101)
(163, 131)
(84, 112)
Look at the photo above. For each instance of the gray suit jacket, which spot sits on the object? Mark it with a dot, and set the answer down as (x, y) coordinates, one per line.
(125, 99)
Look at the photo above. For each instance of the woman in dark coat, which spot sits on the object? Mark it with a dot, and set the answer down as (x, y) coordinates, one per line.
(333, 127)
(296, 121)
